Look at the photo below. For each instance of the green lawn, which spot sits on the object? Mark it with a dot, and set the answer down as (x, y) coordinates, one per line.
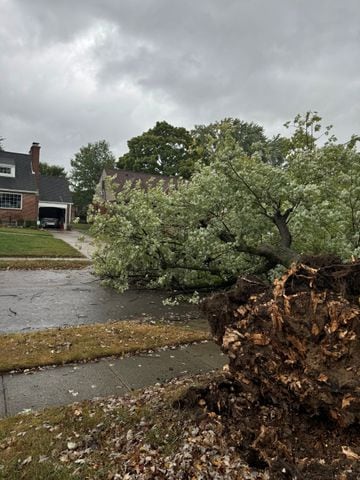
(33, 243)
(24, 231)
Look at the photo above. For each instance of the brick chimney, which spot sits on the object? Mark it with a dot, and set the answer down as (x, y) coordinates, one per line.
(35, 161)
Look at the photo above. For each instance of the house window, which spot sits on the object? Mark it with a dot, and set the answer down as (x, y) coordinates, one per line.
(10, 200)
(7, 170)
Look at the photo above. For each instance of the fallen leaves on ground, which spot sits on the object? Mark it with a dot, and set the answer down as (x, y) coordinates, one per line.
(140, 436)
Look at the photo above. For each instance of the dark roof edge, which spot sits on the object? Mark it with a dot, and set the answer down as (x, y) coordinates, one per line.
(18, 190)
(15, 153)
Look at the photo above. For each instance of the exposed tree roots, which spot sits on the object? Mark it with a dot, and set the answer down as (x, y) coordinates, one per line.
(291, 397)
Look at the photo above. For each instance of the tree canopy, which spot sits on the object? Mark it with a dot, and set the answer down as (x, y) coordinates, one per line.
(87, 166)
(52, 170)
(163, 150)
(249, 136)
(169, 150)
(237, 214)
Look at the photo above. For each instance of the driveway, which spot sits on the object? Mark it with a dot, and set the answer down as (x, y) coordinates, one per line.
(80, 241)
(31, 300)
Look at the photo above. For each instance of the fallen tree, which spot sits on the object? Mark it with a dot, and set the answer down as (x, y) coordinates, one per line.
(237, 215)
(291, 397)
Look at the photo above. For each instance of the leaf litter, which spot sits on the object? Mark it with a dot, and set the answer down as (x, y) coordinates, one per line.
(141, 436)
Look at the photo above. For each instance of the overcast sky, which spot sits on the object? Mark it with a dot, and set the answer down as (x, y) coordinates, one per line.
(77, 71)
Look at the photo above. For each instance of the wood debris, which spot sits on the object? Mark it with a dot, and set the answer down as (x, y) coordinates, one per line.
(294, 362)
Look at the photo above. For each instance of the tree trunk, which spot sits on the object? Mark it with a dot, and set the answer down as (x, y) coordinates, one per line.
(280, 221)
(275, 254)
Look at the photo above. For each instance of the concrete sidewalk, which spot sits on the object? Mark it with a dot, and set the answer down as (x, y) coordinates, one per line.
(71, 383)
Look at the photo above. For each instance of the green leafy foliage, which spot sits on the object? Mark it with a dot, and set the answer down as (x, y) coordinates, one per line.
(249, 136)
(87, 166)
(52, 170)
(82, 200)
(237, 214)
(163, 150)
(308, 130)
(168, 150)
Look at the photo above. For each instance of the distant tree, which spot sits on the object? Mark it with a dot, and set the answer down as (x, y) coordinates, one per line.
(1, 143)
(249, 136)
(164, 150)
(87, 166)
(52, 170)
(82, 200)
(169, 150)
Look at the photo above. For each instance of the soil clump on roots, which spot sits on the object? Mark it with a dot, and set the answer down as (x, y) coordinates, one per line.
(290, 399)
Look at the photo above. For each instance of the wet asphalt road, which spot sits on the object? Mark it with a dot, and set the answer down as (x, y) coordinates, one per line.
(31, 300)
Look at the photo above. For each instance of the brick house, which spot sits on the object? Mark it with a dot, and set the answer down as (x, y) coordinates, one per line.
(26, 196)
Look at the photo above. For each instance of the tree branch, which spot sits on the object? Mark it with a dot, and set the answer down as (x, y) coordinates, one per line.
(251, 190)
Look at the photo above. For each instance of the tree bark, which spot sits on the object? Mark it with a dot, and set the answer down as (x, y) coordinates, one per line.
(280, 221)
(277, 254)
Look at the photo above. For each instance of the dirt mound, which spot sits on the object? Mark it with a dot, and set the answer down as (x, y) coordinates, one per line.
(291, 401)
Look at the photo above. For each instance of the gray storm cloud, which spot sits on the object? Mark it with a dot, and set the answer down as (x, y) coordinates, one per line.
(76, 72)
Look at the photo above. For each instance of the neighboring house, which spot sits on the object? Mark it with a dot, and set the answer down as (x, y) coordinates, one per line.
(26, 196)
(120, 177)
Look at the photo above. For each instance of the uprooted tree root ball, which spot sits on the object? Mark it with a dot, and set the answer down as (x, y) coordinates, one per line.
(291, 398)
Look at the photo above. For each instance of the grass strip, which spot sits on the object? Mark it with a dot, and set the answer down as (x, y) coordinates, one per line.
(87, 342)
(20, 245)
(48, 264)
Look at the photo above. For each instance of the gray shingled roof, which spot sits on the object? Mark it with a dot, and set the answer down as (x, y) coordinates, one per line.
(24, 178)
(54, 189)
(146, 179)
(7, 161)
